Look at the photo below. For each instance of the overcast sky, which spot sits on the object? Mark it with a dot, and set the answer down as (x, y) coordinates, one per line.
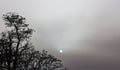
(88, 31)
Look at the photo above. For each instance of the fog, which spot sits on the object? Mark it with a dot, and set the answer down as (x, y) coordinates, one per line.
(88, 31)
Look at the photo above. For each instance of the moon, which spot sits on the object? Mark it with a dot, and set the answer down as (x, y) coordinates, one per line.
(61, 51)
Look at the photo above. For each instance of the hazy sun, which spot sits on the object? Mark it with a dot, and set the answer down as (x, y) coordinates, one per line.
(61, 51)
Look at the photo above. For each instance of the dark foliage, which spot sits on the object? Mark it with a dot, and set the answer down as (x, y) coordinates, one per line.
(16, 51)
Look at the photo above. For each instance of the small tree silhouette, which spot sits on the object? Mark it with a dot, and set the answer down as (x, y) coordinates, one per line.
(16, 50)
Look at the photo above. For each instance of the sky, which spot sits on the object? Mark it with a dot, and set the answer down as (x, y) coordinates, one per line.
(87, 31)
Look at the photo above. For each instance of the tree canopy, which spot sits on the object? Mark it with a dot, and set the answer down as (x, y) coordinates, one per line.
(16, 50)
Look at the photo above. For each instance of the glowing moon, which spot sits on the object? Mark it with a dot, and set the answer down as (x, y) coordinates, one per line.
(61, 51)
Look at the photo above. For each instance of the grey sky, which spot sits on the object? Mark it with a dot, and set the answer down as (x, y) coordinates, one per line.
(88, 31)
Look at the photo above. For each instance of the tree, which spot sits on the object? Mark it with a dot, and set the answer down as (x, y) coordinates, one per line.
(16, 50)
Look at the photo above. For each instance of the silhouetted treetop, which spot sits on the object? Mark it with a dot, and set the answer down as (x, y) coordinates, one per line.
(16, 50)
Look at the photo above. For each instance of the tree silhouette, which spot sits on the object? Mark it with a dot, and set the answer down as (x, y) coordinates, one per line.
(16, 50)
